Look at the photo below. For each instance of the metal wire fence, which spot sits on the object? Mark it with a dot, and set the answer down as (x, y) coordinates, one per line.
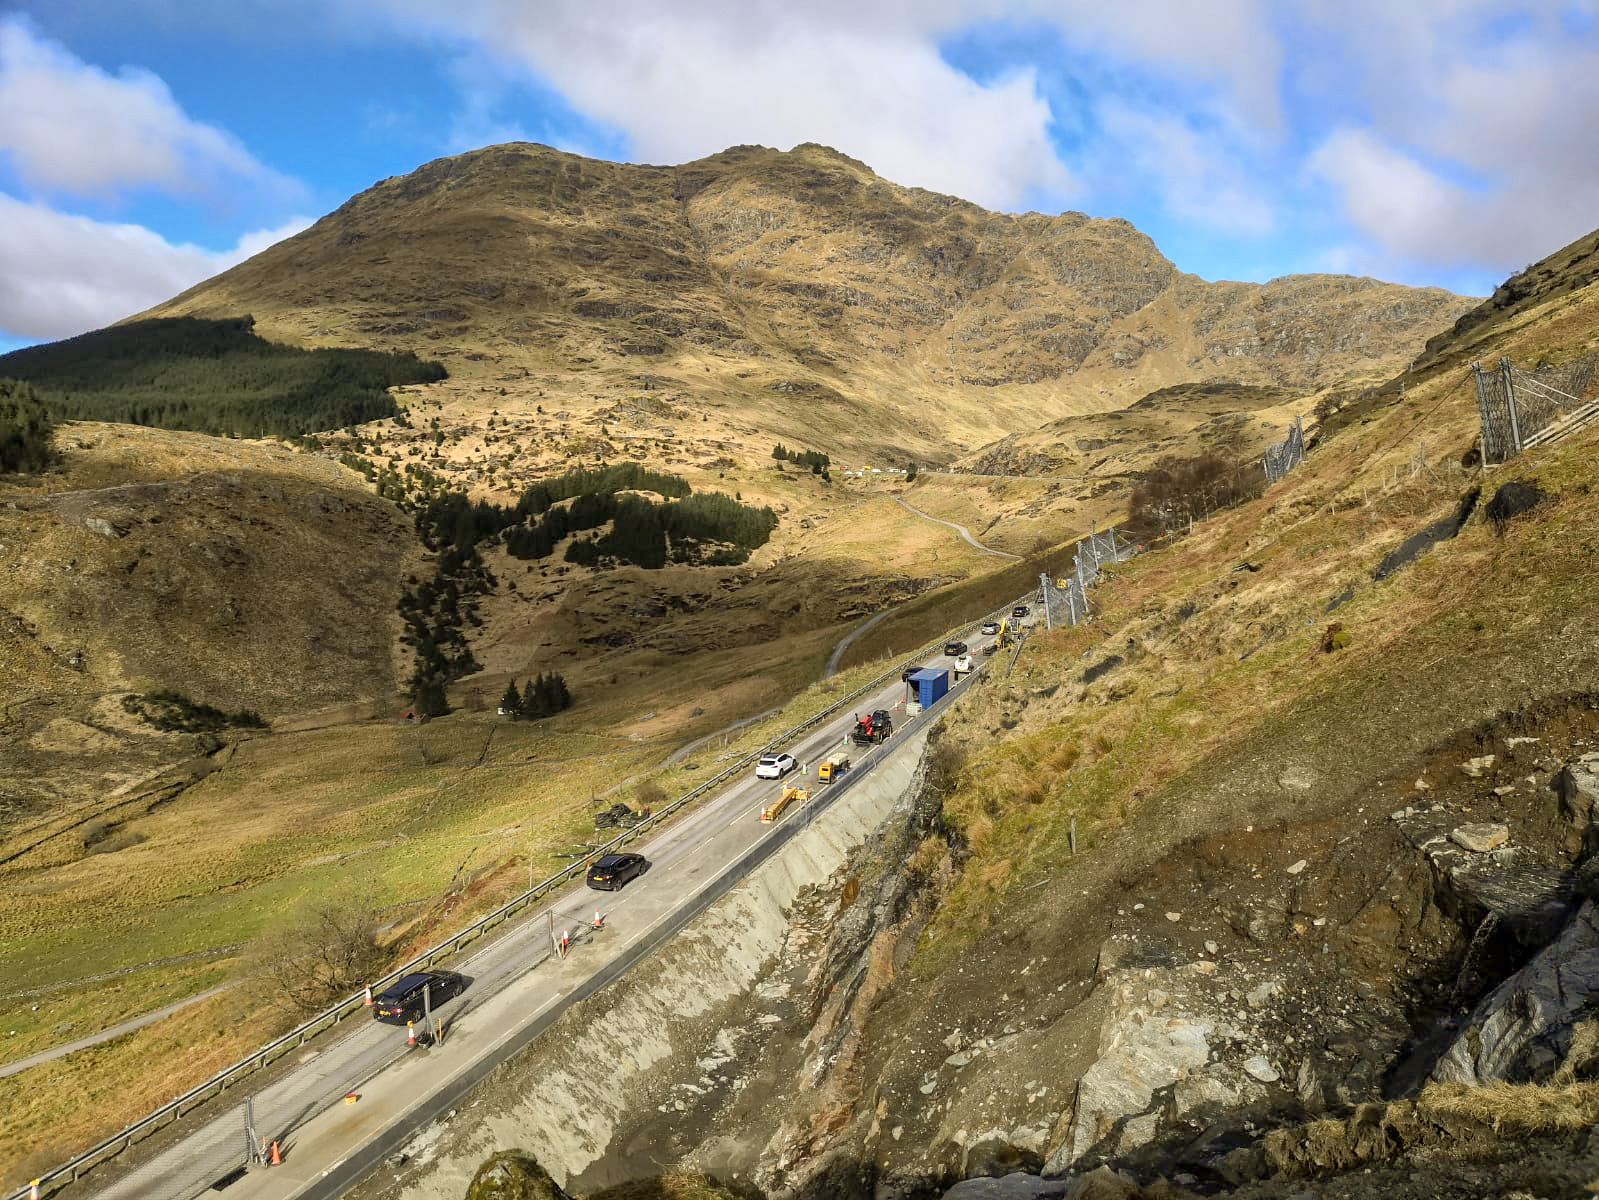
(1064, 599)
(1521, 408)
(1286, 454)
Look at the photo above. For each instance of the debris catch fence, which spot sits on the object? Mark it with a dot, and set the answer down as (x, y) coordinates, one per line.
(1286, 454)
(1065, 600)
(1521, 409)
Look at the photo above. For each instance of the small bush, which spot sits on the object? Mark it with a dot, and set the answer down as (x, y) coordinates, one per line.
(1179, 491)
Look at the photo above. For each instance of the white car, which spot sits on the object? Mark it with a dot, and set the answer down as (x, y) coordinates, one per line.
(775, 766)
(963, 665)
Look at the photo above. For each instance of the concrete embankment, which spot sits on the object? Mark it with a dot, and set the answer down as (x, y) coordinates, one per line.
(564, 1098)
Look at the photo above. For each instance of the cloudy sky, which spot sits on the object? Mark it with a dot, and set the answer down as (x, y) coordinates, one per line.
(147, 144)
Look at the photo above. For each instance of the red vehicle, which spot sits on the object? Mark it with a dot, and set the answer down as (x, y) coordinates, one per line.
(873, 729)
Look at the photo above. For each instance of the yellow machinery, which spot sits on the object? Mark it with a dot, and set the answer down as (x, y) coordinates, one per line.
(789, 795)
(830, 770)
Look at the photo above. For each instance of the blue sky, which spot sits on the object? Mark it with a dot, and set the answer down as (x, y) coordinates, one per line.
(147, 144)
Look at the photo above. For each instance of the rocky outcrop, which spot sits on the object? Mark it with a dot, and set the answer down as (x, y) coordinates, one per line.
(1522, 1030)
(1578, 785)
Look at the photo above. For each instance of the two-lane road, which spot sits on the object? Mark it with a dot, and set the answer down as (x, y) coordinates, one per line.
(518, 987)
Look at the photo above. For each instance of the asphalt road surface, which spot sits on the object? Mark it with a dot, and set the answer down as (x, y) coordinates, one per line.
(517, 988)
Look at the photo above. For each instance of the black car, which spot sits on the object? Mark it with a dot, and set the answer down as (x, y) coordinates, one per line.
(612, 871)
(905, 675)
(401, 1001)
(1019, 611)
(955, 649)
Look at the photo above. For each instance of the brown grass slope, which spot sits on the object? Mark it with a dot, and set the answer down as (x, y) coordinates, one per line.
(1203, 703)
(242, 575)
(824, 302)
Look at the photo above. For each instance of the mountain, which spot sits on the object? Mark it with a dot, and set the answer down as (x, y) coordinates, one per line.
(798, 292)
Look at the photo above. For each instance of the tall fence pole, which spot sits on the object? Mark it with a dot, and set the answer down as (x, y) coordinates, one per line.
(1043, 590)
(1506, 372)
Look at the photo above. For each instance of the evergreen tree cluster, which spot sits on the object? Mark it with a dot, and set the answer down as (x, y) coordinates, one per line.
(435, 613)
(25, 428)
(542, 697)
(706, 528)
(814, 459)
(212, 376)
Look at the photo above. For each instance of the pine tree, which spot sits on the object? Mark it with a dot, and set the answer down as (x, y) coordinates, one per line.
(511, 702)
(533, 701)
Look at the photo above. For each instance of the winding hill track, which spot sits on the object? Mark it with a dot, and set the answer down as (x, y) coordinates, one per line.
(960, 529)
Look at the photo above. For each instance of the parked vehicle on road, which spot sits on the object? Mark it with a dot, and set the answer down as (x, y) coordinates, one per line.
(873, 729)
(775, 766)
(613, 870)
(989, 628)
(1020, 611)
(830, 770)
(401, 1001)
(910, 669)
(963, 665)
(954, 649)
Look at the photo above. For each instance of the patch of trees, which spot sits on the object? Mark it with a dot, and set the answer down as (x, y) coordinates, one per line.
(213, 376)
(814, 459)
(25, 428)
(543, 697)
(436, 612)
(173, 712)
(706, 528)
(1180, 491)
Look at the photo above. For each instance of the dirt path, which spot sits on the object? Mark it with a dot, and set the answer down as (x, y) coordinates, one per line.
(105, 1035)
(848, 640)
(683, 752)
(960, 529)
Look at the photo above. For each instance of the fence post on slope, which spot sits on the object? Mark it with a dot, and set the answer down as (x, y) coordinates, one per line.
(1505, 372)
(1043, 590)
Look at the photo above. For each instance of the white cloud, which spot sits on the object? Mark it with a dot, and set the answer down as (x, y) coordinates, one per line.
(61, 274)
(686, 82)
(1199, 173)
(69, 127)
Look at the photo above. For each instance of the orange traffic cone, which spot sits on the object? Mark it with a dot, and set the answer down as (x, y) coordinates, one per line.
(599, 921)
(33, 1191)
(410, 1033)
(566, 942)
(369, 997)
(277, 1155)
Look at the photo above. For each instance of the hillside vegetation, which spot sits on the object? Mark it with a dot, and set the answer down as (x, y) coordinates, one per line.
(212, 376)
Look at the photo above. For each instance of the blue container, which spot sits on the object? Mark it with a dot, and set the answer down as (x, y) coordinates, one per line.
(930, 685)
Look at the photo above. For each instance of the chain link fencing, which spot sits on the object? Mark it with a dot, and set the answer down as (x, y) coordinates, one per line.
(1521, 408)
(1286, 454)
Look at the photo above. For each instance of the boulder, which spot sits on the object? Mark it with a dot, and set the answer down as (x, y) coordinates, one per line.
(1477, 767)
(1481, 836)
(1520, 1032)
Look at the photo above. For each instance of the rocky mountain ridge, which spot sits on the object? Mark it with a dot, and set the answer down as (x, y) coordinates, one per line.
(801, 289)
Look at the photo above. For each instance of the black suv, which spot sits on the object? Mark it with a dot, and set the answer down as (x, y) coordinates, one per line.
(401, 1001)
(1020, 611)
(905, 675)
(612, 871)
(955, 649)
